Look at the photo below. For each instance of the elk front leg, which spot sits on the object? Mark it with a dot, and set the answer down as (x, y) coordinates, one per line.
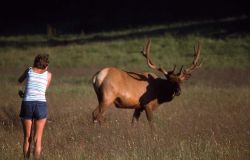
(149, 114)
(136, 115)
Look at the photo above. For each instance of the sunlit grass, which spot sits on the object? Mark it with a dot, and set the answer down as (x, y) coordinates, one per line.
(209, 120)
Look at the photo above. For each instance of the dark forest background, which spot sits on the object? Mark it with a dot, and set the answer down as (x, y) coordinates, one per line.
(86, 16)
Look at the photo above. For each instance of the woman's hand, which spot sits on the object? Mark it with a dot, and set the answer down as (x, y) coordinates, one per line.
(21, 93)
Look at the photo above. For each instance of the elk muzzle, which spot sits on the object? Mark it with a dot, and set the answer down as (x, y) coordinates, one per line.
(177, 90)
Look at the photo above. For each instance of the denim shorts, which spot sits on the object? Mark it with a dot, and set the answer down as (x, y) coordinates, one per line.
(34, 110)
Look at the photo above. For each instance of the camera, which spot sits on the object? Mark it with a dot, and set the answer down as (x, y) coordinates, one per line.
(21, 93)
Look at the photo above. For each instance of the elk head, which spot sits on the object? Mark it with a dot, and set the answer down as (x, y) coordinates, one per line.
(171, 76)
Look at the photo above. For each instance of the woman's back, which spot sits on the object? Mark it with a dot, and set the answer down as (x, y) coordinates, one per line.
(36, 85)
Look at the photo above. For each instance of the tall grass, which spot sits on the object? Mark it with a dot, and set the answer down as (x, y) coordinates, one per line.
(210, 120)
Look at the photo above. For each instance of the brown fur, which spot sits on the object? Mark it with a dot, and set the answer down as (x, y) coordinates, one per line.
(139, 91)
(131, 90)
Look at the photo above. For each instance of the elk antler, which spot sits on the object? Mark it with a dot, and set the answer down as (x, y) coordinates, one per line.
(182, 75)
(145, 52)
(185, 75)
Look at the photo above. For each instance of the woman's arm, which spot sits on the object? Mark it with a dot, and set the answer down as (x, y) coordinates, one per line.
(23, 76)
(49, 79)
(20, 80)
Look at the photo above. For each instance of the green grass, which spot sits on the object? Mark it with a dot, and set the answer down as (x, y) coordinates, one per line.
(210, 120)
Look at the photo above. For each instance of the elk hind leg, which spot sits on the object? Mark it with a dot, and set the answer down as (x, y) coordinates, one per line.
(99, 111)
(104, 104)
(95, 113)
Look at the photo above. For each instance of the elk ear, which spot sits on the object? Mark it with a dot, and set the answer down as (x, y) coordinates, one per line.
(173, 78)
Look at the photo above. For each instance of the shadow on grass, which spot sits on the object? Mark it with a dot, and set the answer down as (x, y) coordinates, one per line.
(239, 26)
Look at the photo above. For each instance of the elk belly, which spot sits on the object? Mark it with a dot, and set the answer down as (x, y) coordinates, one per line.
(130, 103)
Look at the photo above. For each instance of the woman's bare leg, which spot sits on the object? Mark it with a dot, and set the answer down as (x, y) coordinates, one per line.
(39, 126)
(27, 137)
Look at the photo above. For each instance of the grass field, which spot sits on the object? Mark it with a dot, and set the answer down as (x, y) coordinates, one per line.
(210, 120)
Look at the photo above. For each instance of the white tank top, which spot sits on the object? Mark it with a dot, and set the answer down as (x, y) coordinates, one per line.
(36, 85)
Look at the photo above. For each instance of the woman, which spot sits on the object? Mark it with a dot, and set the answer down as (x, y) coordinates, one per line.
(34, 109)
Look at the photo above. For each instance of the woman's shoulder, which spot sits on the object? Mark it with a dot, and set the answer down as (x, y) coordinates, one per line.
(24, 75)
(49, 74)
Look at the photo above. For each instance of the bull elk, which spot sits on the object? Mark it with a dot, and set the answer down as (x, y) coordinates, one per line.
(139, 91)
